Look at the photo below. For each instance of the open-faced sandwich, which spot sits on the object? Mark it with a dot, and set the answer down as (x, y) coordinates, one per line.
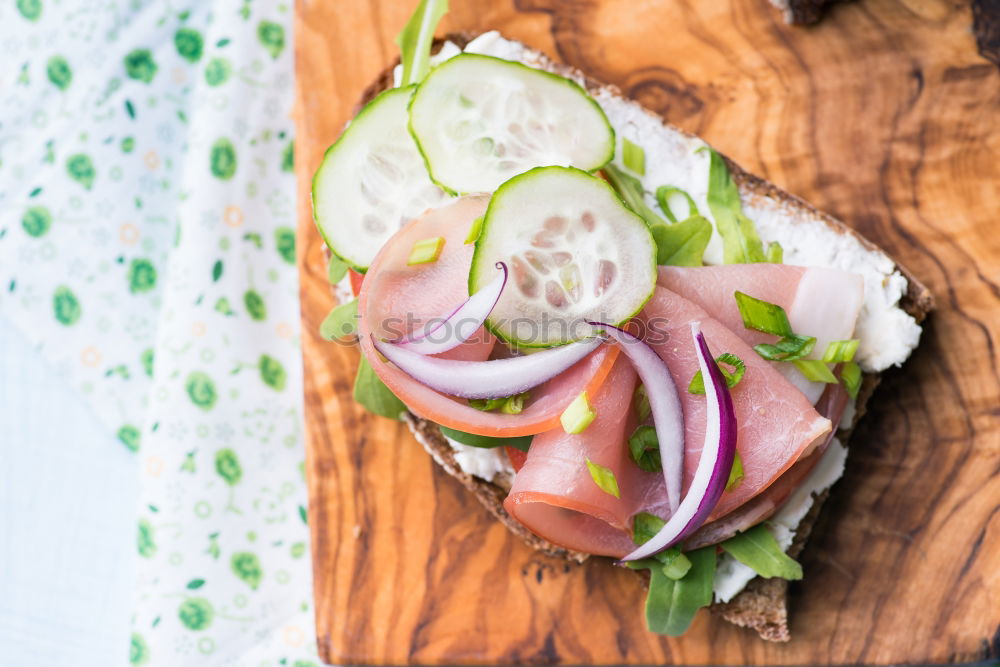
(622, 344)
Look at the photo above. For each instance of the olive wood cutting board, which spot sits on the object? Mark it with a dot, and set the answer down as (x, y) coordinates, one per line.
(884, 116)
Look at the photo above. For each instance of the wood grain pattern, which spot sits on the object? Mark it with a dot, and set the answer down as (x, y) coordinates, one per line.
(883, 115)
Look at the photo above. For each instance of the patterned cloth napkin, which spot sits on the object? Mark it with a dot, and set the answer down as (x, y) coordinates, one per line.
(147, 247)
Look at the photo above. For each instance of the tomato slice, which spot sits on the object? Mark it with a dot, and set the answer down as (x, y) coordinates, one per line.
(356, 280)
(396, 298)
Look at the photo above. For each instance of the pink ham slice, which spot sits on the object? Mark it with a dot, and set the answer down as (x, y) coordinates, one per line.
(777, 425)
(820, 302)
(553, 493)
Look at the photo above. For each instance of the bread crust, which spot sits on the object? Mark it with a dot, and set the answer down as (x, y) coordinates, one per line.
(762, 605)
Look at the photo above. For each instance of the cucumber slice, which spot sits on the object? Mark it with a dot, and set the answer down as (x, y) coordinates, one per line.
(480, 120)
(372, 181)
(575, 252)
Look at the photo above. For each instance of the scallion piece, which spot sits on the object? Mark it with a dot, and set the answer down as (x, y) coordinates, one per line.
(763, 316)
(511, 405)
(736, 473)
(733, 377)
(633, 157)
(775, 253)
(644, 447)
(850, 375)
(789, 348)
(426, 251)
(640, 401)
(514, 404)
(577, 415)
(815, 370)
(840, 351)
(604, 478)
(663, 195)
(475, 230)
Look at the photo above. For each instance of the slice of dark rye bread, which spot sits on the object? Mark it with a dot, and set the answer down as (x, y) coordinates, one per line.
(762, 605)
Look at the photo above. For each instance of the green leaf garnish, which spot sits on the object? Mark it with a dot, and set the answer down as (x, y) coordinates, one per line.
(789, 348)
(336, 269)
(640, 401)
(850, 375)
(342, 321)
(740, 242)
(664, 193)
(671, 561)
(840, 351)
(815, 370)
(630, 189)
(633, 157)
(682, 244)
(485, 441)
(416, 38)
(762, 316)
(644, 447)
(604, 478)
(577, 415)
(733, 377)
(735, 473)
(672, 603)
(758, 550)
(371, 392)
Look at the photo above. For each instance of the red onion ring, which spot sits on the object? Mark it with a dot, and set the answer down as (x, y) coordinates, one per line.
(461, 324)
(487, 379)
(714, 465)
(664, 404)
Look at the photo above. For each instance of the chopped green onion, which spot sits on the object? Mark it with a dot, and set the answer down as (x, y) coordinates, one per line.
(514, 404)
(850, 375)
(577, 415)
(630, 189)
(697, 385)
(775, 253)
(604, 478)
(640, 401)
(486, 404)
(475, 230)
(663, 195)
(511, 405)
(426, 251)
(675, 564)
(645, 526)
(757, 549)
(740, 242)
(341, 322)
(788, 348)
(683, 243)
(485, 441)
(336, 269)
(840, 351)
(815, 370)
(736, 473)
(644, 447)
(762, 316)
(633, 157)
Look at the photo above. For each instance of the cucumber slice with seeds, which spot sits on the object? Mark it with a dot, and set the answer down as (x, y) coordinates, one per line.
(576, 254)
(480, 120)
(372, 181)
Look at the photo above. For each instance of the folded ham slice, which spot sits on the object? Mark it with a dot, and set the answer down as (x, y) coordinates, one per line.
(819, 302)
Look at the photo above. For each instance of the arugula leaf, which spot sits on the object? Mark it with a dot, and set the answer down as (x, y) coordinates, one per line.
(663, 195)
(645, 526)
(674, 564)
(683, 243)
(758, 550)
(485, 441)
(371, 392)
(342, 321)
(416, 38)
(630, 189)
(672, 603)
(740, 242)
(604, 478)
(644, 447)
(336, 269)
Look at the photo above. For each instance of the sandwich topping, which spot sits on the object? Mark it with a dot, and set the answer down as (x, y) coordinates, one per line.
(661, 382)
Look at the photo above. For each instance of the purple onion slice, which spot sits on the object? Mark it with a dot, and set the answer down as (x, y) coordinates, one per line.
(664, 404)
(487, 379)
(449, 331)
(714, 465)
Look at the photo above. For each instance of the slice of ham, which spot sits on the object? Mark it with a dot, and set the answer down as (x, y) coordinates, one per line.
(820, 302)
(553, 493)
(396, 298)
(831, 405)
(777, 425)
